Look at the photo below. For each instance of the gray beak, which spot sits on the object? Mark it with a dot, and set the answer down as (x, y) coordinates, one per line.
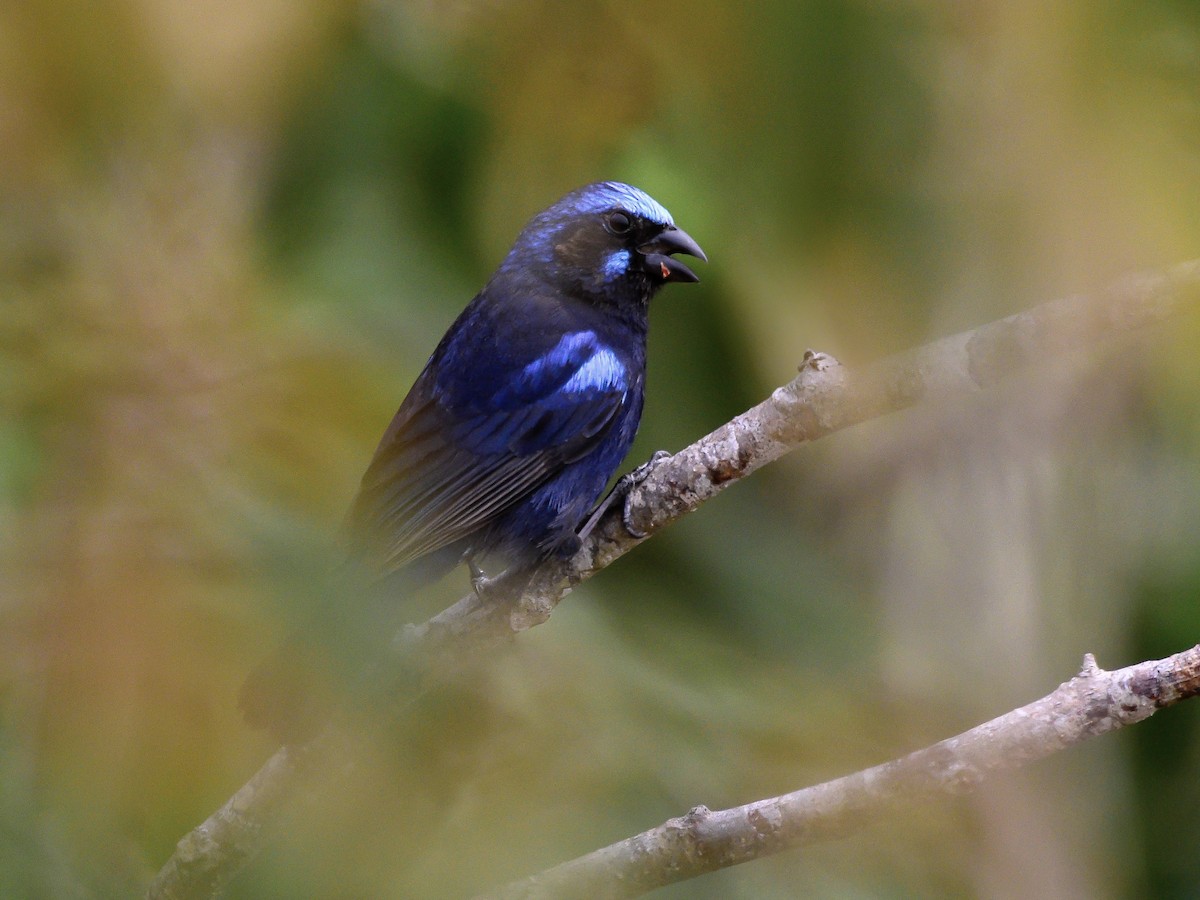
(656, 255)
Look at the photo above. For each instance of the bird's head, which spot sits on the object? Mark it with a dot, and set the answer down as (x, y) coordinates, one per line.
(606, 243)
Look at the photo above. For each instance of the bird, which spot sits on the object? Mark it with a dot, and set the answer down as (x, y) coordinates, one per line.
(525, 409)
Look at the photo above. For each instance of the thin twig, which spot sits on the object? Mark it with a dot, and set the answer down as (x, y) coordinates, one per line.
(822, 399)
(1094, 702)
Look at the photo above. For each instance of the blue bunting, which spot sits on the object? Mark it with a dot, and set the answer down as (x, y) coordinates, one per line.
(532, 398)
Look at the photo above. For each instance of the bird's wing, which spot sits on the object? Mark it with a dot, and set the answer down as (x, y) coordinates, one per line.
(461, 453)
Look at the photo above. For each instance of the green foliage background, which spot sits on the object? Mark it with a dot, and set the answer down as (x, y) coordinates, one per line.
(230, 234)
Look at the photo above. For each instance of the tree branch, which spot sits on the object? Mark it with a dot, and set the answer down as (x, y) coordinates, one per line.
(1094, 702)
(824, 398)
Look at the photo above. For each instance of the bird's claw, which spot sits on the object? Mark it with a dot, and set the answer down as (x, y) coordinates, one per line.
(620, 491)
(642, 472)
(626, 485)
(480, 582)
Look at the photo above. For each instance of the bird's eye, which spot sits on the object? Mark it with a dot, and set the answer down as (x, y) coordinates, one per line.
(618, 222)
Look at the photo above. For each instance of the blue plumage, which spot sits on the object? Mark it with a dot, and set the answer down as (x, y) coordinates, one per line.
(533, 397)
(523, 412)
(601, 370)
(615, 264)
(606, 195)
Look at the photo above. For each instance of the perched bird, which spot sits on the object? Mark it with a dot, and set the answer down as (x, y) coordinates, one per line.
(529, 403)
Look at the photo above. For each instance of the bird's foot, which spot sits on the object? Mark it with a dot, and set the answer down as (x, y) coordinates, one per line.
(480, 582)
(620, 491)
(632, 480)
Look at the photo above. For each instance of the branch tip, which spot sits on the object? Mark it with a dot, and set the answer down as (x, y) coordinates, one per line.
(816, 361)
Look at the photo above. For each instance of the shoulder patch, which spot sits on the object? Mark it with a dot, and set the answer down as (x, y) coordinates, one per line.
(602, 371)
(592, 366)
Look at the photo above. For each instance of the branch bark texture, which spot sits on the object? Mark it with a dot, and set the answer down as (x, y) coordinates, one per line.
(822, 399)
(1094, 702)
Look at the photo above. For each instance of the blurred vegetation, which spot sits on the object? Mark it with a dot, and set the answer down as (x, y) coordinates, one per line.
(230, 235)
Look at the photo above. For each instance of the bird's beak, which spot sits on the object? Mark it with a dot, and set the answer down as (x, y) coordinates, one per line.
(656, 255)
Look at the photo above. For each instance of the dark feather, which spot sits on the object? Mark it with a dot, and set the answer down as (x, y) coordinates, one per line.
(443, 470)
